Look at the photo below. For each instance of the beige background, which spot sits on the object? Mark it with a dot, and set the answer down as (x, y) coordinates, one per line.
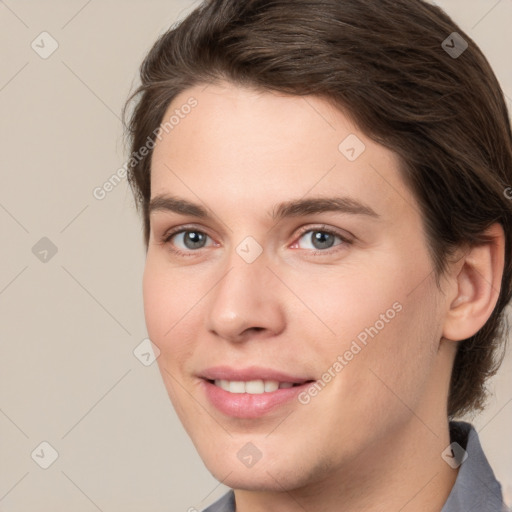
(68, 375)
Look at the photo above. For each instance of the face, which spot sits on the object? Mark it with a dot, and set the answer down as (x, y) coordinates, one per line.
(289, 289)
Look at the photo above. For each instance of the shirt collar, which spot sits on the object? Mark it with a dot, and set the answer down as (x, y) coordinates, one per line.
(476, 488)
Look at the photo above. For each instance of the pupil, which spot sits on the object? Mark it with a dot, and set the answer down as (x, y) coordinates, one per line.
(194, 240)
(322, 240)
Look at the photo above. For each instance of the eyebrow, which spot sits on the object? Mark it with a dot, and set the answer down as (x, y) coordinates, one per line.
(294, 208)
(173, 204)
(311, 206)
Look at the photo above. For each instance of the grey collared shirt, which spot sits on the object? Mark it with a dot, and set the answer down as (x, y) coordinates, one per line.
(475, 490)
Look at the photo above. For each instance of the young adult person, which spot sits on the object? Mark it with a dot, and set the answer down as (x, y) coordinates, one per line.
(323, 186)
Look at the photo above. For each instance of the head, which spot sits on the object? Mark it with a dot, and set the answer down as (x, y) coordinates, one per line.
(323, 191)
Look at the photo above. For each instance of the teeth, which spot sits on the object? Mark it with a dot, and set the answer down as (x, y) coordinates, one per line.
(236, 386)
(224, 384)
(271, 385)
(253, 387)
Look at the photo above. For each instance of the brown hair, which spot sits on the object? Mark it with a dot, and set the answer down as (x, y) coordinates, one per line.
(385, 64)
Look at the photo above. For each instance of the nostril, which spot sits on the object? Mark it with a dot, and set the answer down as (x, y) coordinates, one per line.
(254, 329)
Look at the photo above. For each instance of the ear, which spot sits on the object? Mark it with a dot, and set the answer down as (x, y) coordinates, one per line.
(476, 285)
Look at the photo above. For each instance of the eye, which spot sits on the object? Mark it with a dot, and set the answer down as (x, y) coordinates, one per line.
(319, 240)
(189, 240)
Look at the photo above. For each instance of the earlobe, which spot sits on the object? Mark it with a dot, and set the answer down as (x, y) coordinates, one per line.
(477, 283)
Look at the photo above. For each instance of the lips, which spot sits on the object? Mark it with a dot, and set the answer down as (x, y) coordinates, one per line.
(250, 392)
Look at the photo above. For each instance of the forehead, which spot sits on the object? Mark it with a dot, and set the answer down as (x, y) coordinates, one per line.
(252, 146)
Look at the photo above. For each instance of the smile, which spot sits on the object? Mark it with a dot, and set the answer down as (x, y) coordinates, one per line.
(251, 392)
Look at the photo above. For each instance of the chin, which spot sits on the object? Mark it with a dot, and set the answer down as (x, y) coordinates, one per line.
(248, 480)
(274, 476)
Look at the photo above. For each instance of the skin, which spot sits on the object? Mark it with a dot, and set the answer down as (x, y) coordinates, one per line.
(372, 438)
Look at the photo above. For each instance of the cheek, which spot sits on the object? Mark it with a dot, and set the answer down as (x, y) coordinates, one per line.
(377, 319)
(158, 303)
(395, 364)
(168, 309)
(347, 304)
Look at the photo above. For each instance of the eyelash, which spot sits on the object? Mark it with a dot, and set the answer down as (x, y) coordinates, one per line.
(167, 237)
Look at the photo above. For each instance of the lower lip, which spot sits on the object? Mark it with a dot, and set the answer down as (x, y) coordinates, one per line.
(247, 405)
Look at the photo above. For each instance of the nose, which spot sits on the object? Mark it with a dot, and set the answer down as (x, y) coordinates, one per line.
(245, 303)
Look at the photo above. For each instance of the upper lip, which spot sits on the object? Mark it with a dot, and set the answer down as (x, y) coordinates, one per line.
(250, 373)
